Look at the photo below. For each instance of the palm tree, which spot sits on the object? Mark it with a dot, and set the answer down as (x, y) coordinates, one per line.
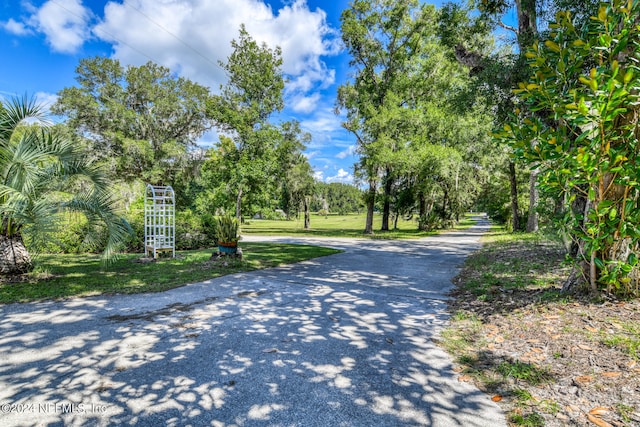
(42, 175)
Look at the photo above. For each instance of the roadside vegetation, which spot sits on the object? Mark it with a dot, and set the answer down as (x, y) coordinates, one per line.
(547, 357)
(71, 275)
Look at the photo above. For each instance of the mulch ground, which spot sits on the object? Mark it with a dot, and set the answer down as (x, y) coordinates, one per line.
(547, 358)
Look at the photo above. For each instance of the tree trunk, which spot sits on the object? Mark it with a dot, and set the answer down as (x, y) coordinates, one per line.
(422, 213)
(445, 202)
(515, 209)
(386, 209)
(307, 214)
(371, 200)
(527, 23)
(532, 221)
(14, 257)
(527, 32)
(239, 205)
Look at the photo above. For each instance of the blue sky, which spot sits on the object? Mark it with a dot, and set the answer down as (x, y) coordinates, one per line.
(43, 40)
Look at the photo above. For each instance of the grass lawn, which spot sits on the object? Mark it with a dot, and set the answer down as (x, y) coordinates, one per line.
(339, 226)
(60, 276)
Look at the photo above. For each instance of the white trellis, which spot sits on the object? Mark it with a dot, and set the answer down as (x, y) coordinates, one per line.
(159, 221)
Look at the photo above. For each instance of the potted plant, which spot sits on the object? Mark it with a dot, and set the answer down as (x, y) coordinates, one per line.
(227, 234)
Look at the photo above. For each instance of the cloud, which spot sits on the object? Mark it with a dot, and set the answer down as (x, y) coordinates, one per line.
(342, 176)
(17, 28)
(305, 104)
(350, 151)
(323, 121)
(318, 175)
(191, 36)
(46, 99)
(64, 24)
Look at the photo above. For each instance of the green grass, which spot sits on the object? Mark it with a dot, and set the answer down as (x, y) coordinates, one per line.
(340, 226)
(62, 276)
(627, 339)
(529, 420)
(524, 372)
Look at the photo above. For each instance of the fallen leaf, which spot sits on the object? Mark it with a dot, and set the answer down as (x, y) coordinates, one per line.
(584, 379)
(536, 350)
(611, 374)
(598, 421)
(464, 378)
(585, 347)
(496, 398)
(599, 411)
(533, 341)
(270, 350)
(499, 339)
(590, 329)
(389, 340)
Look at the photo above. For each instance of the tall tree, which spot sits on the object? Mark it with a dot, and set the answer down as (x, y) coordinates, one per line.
(42, 175)
(294, 173)
(140, 120)
(253, 92)
(586, 78)
(382, 36)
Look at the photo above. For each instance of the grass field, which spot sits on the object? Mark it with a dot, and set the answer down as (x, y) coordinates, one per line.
(61, 276)
(338, 226)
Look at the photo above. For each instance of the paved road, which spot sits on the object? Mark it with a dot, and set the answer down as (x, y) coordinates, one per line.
(344, 340)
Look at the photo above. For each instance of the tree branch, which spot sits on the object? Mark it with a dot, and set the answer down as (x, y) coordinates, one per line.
(508, 27)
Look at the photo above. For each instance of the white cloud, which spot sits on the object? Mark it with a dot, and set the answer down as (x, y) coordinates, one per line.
(15, 27)
(318, 175)
(64, 23)
(350, 151)
(324, 121)
(191, 36)
(46, 99)
(342, 176)
(305, 104)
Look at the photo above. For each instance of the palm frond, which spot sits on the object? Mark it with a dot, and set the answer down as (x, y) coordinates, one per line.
(16, 111)
(98, 207)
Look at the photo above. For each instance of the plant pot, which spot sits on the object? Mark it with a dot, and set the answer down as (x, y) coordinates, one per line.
(228, 248)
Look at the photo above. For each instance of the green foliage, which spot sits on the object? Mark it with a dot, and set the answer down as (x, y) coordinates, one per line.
(417, 138)
(227, 229)
(243, 165)
(141, 120)
(337, 197)
(42, 175)
(584, 90)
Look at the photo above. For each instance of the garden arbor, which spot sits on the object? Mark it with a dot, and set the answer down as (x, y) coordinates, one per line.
(159, 221)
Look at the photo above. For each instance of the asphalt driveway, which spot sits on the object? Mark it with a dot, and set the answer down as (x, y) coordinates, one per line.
(344, 340)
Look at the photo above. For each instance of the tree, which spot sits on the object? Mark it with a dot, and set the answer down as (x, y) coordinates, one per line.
(382, 37)
(584, 138)
(41, 176)
(294, 173)
(141, 120)
(252, 93)
(337, 197)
